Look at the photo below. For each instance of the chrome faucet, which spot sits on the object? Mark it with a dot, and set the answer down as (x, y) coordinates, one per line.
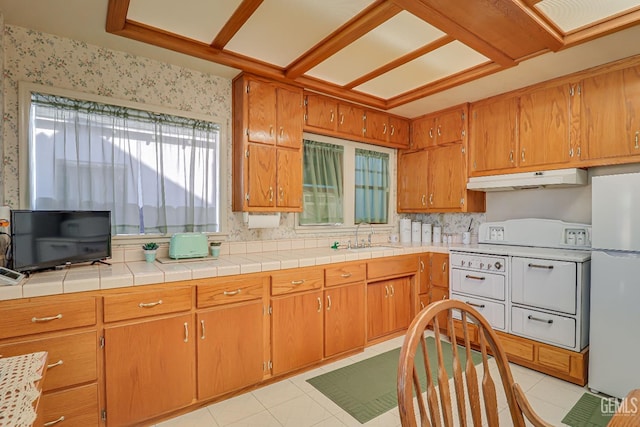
(358, 245)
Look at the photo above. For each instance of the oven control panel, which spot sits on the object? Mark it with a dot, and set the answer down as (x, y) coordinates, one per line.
(472, 261)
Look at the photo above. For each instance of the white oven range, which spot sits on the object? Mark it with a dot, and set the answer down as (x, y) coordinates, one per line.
(528, 277)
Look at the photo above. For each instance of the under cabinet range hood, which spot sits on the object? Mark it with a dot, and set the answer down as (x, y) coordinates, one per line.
(524, 180)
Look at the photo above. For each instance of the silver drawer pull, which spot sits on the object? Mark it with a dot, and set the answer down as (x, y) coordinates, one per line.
(475, 277)
(45, 319)
(472, 304)
(202, 328)
(297, 282)
(149, 304)
(345, 275)
(537, 319)
(54, 422)
(186, 332)
(548, 267)
(232, 293)
(53, 365)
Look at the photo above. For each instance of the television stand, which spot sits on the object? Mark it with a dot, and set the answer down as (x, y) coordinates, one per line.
(100, 261)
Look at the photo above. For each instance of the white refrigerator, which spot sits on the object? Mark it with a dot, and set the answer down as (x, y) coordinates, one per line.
(614, 341)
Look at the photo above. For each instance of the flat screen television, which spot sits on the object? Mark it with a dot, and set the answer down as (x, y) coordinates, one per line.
(47, 239)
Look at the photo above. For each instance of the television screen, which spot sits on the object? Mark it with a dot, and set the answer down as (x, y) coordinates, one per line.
(46, 239)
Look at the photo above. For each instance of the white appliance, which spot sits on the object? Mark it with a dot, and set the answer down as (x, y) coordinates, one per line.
(615, 285)
(528, 277)
(522, 180)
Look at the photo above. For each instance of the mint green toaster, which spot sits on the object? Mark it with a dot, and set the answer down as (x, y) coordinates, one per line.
(188, 245)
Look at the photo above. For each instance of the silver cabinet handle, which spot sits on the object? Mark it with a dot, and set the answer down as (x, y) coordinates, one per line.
(423, 200)
(345, 275)
(571, 152)
(393, 291)
(511, 156)
(270, 130)
(386, 291)
(53, 365)
(421, 305)
(384, 128)
(431, 199)
(328, 302)
(232, 293)
(46, 319)
(548, 267)
(444, 266)
(319, 304)
(637, 137)
(537, 319)
(54, 422)
(439, 130)
(474, 304)
(202, 329)
(297, 282)
(332, 117)
(149, 304)
(522, 155)
(341, 119)
(186, 332)
(393, 130)
(468, 276)
(271, 194)
(421, 266)
(281, 131)
(431, 133)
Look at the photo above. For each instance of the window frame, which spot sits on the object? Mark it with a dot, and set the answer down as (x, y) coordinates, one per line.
(349, 188)
(25, 90)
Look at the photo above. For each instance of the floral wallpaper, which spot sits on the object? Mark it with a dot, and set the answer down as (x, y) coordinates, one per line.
(33, 56)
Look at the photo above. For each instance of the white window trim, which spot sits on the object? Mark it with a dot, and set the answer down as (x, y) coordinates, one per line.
(25, 90)
(349, 188)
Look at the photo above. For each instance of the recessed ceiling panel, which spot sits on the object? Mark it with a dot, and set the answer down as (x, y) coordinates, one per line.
(282, 30)
(440, 63)
(398, 36)
(196, 19)
(569, 15)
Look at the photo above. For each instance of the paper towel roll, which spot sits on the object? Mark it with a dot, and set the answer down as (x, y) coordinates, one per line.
(262, 220)
(405, 230)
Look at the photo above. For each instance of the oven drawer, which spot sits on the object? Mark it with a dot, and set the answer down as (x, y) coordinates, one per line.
(494, 312)
(478, 283)
(545, 284)
(545, 327)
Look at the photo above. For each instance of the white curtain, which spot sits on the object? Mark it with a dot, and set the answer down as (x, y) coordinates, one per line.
(372, 187)
(155, 173)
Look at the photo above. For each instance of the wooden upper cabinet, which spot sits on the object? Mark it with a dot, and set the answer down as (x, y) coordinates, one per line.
(421, 133)
(611, 114)
(261, 117)
(376, 125)
(398, 131)
(545, 124)
(493, 135)
(413, 181)
(261, 176)
(290, 113)
(439, 128)
(289, 178)
(321, 112)
(350, 119)
(447, 179)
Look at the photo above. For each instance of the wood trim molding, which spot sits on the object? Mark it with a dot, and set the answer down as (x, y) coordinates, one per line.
(116, 15)
(237, 20)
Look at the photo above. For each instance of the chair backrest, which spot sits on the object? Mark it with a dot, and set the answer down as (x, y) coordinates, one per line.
(435, 406)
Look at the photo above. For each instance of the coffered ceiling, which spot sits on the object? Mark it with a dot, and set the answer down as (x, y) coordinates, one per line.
(408, 57)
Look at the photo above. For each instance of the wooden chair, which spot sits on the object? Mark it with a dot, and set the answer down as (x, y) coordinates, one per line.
(435, 406)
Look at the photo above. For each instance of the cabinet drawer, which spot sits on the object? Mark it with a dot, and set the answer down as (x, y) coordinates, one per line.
(72, 358)
(300, 279)
(545, 327)
(478, 283)
(78, 406)
(555, 359)
(134, 305)
(345, 273)
(517, 347)
(230, 291)
(544, 283)
(394, 266)
(492, 311)
(30, 317)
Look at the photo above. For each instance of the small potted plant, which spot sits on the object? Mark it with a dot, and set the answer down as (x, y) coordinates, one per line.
(214, 249)
(150, 251)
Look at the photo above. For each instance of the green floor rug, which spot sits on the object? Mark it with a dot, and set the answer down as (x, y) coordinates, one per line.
(587, 413)
(367, 389)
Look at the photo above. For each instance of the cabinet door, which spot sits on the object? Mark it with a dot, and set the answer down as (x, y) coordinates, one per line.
(344, 319)
(149, 368)
(422, 133)
(296, 331)
(447, 181)
(76, 406)
(449, 127)
(261, 120)
(261, 173)
(398, 131)
(376, 126)
(438, 294)
(322, 112)
(493, 135)
(350, 120)
(544, 126)
(413, 181)
(440, 270)
(230, 348)
(290, 117)
(377, 310)
(610, 114)
(289, 178)
(399, 303)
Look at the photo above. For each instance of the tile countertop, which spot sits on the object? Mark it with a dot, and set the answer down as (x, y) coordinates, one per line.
(79, 278)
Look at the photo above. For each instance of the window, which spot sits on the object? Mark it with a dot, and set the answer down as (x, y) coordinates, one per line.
(155, 172)
(345, 183)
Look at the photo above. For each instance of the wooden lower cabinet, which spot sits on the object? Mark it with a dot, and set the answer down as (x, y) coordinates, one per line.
(344, 319)
(230, 348)
(388, 307)
(73, 407)
(296, 331)
(437, 294)
(149, 368)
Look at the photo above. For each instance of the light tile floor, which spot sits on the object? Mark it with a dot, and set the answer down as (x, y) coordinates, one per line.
(295, 403)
